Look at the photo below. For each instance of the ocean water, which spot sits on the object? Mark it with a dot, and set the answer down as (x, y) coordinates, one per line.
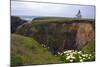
(29, 18)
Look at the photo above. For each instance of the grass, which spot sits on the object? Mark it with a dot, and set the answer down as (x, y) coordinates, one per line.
(39, 21)
(25, 51)
(51, 17)
(90, 47)
(60, 18)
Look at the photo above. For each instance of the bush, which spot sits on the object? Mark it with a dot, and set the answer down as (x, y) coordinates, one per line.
(77, 56)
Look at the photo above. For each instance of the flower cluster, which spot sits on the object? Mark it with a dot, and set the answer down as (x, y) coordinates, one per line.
(76, 56)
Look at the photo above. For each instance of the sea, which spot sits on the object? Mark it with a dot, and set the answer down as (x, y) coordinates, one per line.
(28, 18)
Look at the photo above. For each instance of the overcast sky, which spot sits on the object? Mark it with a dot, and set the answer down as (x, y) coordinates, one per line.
(46, 9)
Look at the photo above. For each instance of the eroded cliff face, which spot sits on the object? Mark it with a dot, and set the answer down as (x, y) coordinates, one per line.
(85, 33)
(59, 36)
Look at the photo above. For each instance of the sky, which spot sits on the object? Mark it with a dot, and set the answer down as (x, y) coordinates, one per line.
(46, 9)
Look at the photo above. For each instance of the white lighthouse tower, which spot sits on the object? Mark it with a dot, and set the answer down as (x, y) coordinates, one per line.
(78, 15)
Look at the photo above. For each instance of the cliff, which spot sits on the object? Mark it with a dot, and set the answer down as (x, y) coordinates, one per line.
(59, 34)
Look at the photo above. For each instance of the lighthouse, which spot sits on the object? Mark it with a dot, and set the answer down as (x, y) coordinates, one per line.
(78, 15)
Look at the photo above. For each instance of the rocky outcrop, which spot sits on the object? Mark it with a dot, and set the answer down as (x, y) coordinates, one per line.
(15, 22)
(59, 35)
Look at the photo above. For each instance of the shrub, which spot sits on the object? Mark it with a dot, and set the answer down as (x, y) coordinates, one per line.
(76, 56)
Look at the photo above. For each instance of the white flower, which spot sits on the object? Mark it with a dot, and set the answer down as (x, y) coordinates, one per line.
(84, 58)
(68, 57)
(70, 51)
(86, 55)
(75, 52)
(83, 55)
(73, 57)
(71, 60)
(81, 60)
(80, 57)
(65, 52)
(80, 52)
(89, 57)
